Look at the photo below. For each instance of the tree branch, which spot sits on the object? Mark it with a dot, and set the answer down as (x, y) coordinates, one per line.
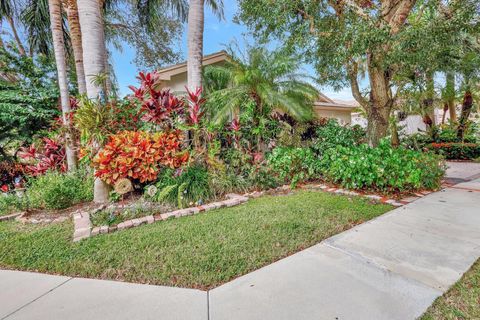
(352, 69)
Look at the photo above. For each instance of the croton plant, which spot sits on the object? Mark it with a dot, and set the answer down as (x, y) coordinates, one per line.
(139, 155)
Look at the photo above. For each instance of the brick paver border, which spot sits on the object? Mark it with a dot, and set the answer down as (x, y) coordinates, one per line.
(83, 226)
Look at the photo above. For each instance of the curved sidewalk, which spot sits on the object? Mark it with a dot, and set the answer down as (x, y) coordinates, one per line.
(392, 267)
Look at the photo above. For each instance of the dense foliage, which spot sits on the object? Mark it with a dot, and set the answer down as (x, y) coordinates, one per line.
(294, 164)
(459, 151)
(138, 156)
(383, 168)
(28, 99)
(55, 190)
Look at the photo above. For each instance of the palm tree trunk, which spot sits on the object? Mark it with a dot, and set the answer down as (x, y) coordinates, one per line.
(76, 38)
(195, 44)
(55, 8)
(450, 88)
(20, 46)
(94, 50)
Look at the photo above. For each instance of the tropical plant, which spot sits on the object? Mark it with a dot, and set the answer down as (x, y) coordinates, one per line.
(139, 156)
(184, 187)
(48, 156)
(267, 81)
(382, 168)
(294, 165)
(157, 106)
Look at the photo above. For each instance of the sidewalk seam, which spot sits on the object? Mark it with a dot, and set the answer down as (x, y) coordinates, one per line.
(40, 296)
(362, 259)
(208, 304)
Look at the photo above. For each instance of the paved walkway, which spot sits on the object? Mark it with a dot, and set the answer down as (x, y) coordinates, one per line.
(392, 267)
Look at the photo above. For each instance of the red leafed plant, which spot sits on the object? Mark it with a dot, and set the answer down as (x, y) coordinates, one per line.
(157, 106)
(50, 155)
(139, 155)
(195, 106)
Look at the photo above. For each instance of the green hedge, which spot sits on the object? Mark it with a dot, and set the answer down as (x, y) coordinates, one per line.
(460, 151)
(382, 168)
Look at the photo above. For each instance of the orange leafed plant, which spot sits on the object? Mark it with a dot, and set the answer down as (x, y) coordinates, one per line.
(138, 155)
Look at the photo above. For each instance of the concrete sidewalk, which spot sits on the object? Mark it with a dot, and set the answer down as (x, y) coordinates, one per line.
(392, 267)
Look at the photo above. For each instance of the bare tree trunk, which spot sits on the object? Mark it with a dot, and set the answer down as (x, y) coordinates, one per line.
(55, 9)
(76, 38)
(195, 43)
(1, 40)
(450, 92)
(380, 103)
(93, 44)
(467, 106)
(20, 46)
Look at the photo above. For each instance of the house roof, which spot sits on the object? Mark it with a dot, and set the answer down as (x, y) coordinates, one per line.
(333, 106)
(324, 102)
(179, 68)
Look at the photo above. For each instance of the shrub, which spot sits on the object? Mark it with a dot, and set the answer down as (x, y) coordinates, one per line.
(138, 155)
(183, 187)
(50, 155)
(56, 190)
(294, 165)
(331, 134)
(382, 168)
(460, 151)
(10, 202)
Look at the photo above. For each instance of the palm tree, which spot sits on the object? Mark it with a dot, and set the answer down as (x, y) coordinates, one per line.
(267, 80)
(7, 13)
(76, 40)
(55, 8)
(196, 17)
(94, 52)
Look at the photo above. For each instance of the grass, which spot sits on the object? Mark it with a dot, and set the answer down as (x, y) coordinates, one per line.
(201, 251)
(461, 302)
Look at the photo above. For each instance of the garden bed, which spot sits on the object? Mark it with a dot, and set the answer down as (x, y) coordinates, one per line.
(201, 251)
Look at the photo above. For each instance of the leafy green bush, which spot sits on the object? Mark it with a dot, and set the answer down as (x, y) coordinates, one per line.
(183, 187)
(10, 203)
(294, 165)
(382, 168)
(56, 190)
(459, 151)
(332, 134)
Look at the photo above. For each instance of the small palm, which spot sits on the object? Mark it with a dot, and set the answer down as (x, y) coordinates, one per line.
(269, 80)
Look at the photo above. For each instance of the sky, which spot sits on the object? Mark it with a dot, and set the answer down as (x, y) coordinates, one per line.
(217, 34)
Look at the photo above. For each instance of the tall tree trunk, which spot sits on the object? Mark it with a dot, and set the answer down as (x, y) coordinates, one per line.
(467, 106)
(76, 39)
(450, 96)
(20, 46)
(380, 103)
(195, 44)
(108, 80)
(94, 50)
(1, 40)
(55, 8)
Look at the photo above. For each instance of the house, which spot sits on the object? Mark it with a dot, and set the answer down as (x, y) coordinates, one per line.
(175, 78)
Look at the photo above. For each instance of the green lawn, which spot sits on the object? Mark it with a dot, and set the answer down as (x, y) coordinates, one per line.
(200, 251)
(461, 302)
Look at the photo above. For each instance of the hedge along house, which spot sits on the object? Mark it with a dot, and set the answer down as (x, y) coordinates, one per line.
(175, 78)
